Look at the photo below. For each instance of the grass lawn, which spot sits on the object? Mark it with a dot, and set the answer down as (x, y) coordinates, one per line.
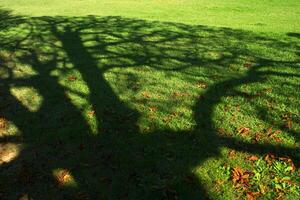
(149, 99)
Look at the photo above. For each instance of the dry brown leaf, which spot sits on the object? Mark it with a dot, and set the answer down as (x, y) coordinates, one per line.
(153, 109)
(146, 95)
(222, 131)
(243, 130)
(252, 158)
(180, 94)
(232, 153)
(269, 158)
(252, 195)
(64, 177)
(269, 132)
(240, 178)
(91, 113)
(257, 137)
(72, 78)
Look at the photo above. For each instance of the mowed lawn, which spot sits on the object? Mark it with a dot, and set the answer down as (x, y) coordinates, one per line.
(149, 99)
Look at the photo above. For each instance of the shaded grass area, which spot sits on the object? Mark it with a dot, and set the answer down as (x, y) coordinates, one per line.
(121, 108)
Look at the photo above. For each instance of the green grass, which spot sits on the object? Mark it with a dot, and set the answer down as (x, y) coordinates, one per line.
(149, 99)
(272, 15)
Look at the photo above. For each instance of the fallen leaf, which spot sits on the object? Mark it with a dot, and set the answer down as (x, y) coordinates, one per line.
(91, 113)
(252, 195)
(243, 130)
(153, 109)
(288, 122)
(222, 131)
(64, 177)
(240, 178)
(146, 95)
(252, 158)
(257, 138)
(201, 84)
(269, 158)
(72, 78)
(232, 153)
(180, 94)
(269, 131)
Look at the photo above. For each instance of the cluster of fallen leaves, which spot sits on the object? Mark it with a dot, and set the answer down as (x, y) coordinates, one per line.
(274, 134)
(242, 178)
(259, 136)
(270, 158)
(170, 117)
(243, 130)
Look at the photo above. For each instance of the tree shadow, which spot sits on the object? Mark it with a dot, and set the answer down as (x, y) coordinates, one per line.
(113, 158)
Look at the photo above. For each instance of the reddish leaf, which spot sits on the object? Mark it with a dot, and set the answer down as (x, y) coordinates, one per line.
(240, 178)
(243, 130)
(252, 158)
(72, 78)
(252, 195)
